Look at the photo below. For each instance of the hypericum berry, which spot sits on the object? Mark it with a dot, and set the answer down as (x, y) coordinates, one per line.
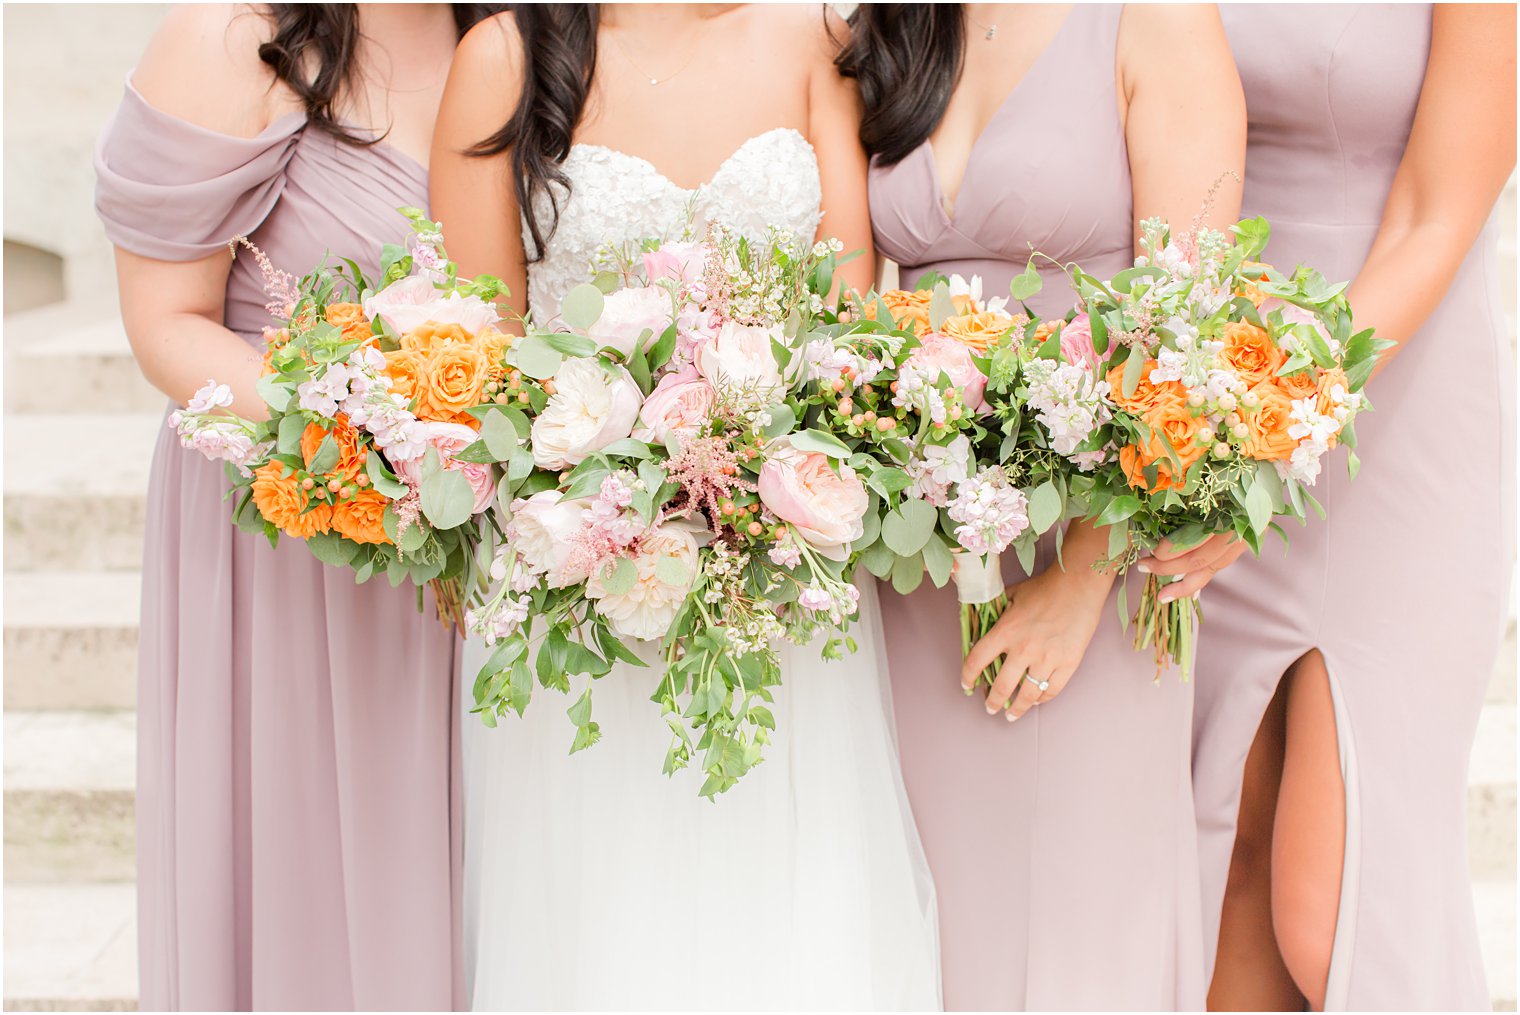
(362, 479)
(333, 486)
(308, 483)
(886, 423)
(1195, 399)
(548, 387)
(846, 405)
(869, 416)
(858, 419)
(1227, 402)
(522, 396)
(1239, 430)
(1206, 435)
(755, 528)
(1221, 450)
(727, 507)
(838, 385)
(1250, 400)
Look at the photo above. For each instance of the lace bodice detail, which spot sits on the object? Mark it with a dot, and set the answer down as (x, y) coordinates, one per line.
(771, 180)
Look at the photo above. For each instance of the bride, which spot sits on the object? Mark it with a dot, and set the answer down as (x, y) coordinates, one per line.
(592, 881)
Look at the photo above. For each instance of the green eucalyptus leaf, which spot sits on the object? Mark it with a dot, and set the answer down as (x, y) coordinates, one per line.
(535, 357)
(447, 500)
(582, 307)
(938, 560)
(1025, 284)
(620, 577)
(1044, 506)
(821, 442)
(907, 528)
(326, 457)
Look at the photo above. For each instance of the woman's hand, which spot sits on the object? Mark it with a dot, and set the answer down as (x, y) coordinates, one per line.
(1198, 565)
(1046, 629)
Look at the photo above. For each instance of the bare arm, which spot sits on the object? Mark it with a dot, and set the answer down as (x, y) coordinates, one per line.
(834, 130)
(1461, 151)
(201, 66)
(473, 196)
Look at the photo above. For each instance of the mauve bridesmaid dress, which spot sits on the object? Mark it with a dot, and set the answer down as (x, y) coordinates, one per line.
(1403, 586)
(1063, 846)
(297, 762)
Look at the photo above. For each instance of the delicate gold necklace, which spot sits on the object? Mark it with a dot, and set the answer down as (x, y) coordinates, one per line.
(653, 80)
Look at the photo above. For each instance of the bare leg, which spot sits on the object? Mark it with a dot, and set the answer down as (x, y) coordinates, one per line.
(1309, 835)
(1249, 974)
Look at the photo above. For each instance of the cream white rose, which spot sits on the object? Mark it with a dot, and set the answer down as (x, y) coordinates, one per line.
(627, 313)
(740, 363)
(666, 567)
(541, 532)
(591, 407)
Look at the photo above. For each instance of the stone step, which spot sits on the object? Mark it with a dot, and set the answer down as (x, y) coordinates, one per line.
(71, 947)
(76, 490)
(71, 639)
(69, 792)
(89, 347)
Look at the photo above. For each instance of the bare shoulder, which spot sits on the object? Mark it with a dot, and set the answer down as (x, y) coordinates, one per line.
(203, 65)
(1167, 29)
(812, 31)
(493, 49)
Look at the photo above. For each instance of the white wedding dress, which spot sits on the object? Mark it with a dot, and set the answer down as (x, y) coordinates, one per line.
(593, 881)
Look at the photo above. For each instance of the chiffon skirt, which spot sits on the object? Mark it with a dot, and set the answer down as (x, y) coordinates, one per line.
(1403, 588)
(595, 882)
(297, 767)
(1062, 846)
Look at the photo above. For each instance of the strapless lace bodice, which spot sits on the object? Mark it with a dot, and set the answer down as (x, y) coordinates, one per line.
(771, 180)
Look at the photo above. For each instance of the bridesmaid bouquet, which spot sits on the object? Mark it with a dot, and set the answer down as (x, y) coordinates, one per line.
(661, 484)
(1196, 393)
(371, 389)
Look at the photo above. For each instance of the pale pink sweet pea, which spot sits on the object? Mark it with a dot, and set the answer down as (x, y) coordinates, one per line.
(450, 439)
(824, 506)
(939, 354)
(415, 301)
(627, 313)
(677, 407)
(678, 262)
(1077, 343)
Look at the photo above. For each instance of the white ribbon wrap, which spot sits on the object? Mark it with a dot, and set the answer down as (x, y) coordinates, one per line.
(977, 579)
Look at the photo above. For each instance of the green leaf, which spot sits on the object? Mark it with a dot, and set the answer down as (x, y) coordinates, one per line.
(672, 571)
(659, 354)
(499, 435)
(570, 345)
(331, 548)
(1044, 506)
(288, 437)
(520, 466)
(276, 393)
(585, 736)
(447, 500)
(1133, 367)
(1025, 284)
(1118, 509)
(535, 357)
(326, 457)
(582, 307)
(1252, 235)
(941, 306)
(1259, 507)
(628, 448)
(907, 574)
(580, 712)
(938, 561)
(783, 418)
(909, 527)
(887, 480)
(821, 442)
(878, 559)
(620, 578)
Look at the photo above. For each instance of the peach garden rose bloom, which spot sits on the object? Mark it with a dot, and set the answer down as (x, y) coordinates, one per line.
(450, 439)
(453, 382)
(1250, 352)
(361, 517)
(939, 355)
(345, 435)
(976, 331)
(678, 405)
(281, 500)
(542, 528)
(824, 506)
(415, 301)
(740, 363)
(1267, 437)
(647, 610)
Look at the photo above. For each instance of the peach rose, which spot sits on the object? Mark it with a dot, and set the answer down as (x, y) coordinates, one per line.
(345, 435)
(1267, 437)
(1171, 425)
(361, 518)
(1077, 343)
(1250, 352)
(1147, 394)
(977, 331)
(1252, 272)
(414, 301)
(407, 371)
(430, 337)
(824, 506)
(938, 355)
(909, 309)
(455, 376)
(1328, 381)
(678, 405)
(281, 500)
(493, 345)
(1299, 384)
(450, 439)
(349, 318)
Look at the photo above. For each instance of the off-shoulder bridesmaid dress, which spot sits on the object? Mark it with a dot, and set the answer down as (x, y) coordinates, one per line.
(1403, 587)
(1062, 846)
(297, 763)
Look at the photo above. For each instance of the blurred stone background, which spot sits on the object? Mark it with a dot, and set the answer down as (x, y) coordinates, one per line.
(73, 542)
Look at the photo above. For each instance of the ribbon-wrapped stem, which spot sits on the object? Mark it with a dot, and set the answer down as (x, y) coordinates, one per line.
(979, 587)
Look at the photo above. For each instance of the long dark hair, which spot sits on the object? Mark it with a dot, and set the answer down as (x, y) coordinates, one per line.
(907, 60)
(312, 51)
(559, 57)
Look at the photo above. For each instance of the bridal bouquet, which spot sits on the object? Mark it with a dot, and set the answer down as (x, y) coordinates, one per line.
(662, 484)
(1196, 393)
(371, 389)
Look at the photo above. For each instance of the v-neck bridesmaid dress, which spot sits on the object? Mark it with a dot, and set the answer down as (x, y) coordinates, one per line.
(1063, 846)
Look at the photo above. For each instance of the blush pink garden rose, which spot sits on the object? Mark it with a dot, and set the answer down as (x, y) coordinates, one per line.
(678, 405)
(1077, 343)
(591, 407)
(627, 313)
(939, 355)
(543, 531)
(678, 262)
(740, 363)
(450, 439)
(826, 507)
(415, 301)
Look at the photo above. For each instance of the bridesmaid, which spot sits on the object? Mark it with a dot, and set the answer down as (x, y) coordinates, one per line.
(1380, 137)
(296, 816)
(1063, 846)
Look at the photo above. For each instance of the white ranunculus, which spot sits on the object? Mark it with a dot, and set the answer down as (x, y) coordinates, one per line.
(627, 313)
(740, 363)
(647, 610)
(415, 301)
(542, 527)
(591, 407)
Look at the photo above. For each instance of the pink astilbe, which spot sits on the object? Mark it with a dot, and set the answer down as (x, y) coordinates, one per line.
(610, 529)
(282, 288)
(707, 470)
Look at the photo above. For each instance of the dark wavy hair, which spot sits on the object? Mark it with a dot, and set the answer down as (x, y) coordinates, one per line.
(559, 57)
(906, 59)
(312, 51)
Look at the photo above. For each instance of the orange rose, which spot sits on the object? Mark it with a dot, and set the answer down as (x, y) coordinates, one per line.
(493, 345)
(452, 383)
(977, 331)
(910, 310)
(407, 371)
(1267, 437)
(361, 517)
(1171, 425)
(1252, 272)
(1147, 394)
(1250, 352)
(281, 500)
(428, 338)
(1329, 380)
(349, 318)
(346, 435)
(1299, 384)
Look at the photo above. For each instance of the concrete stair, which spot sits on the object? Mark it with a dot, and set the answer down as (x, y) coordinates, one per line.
(73, 527)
